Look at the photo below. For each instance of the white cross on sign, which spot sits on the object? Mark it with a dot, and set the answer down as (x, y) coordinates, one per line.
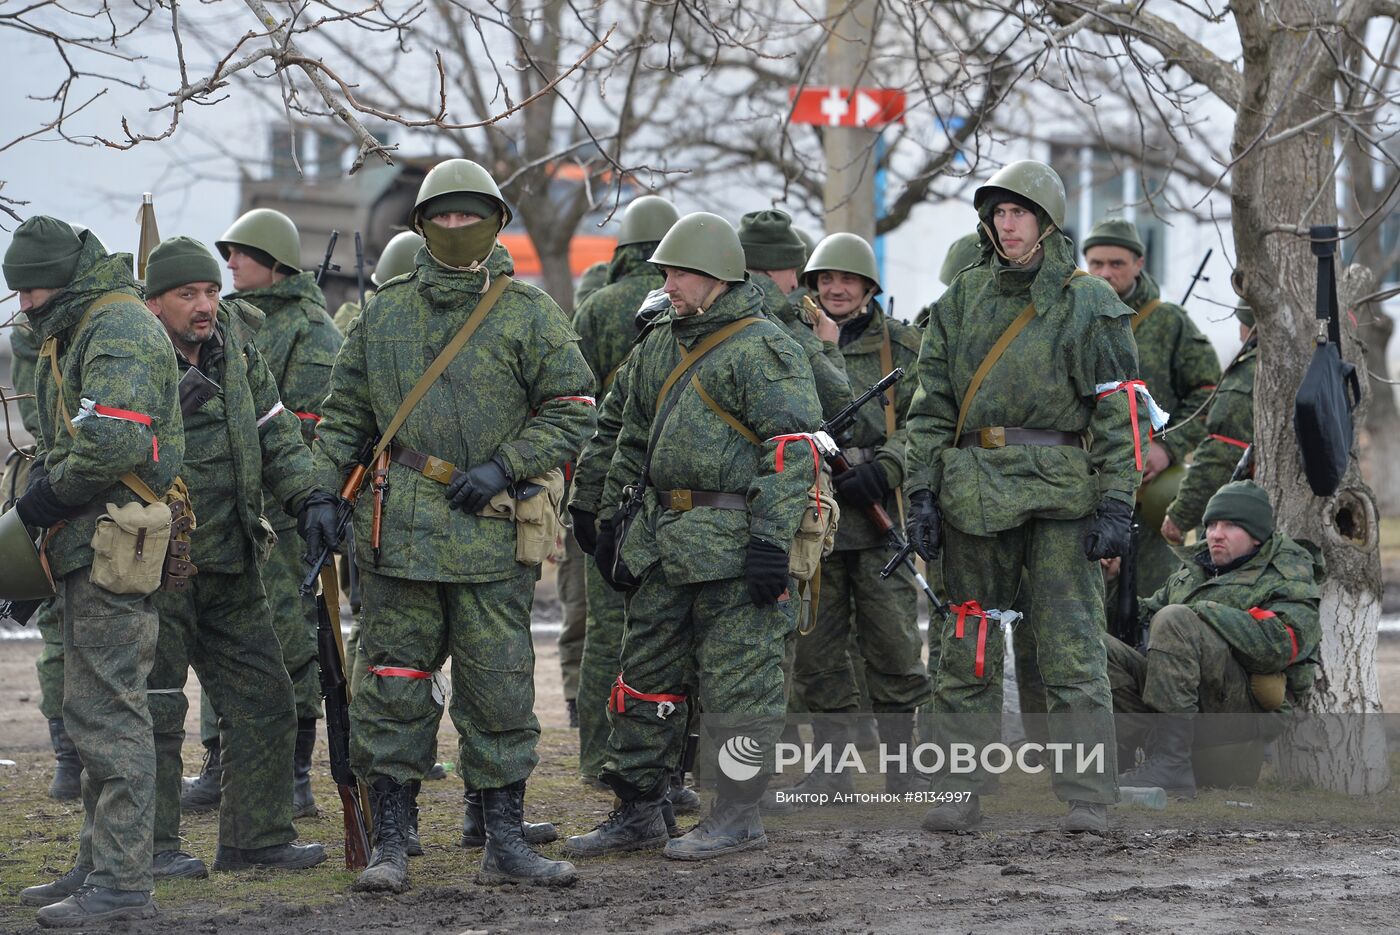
(835, 106)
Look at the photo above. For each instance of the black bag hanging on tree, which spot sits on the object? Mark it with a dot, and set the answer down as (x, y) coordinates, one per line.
(1322, 409)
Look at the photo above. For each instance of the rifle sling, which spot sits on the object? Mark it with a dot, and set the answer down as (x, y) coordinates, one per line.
(1144, 312)
(887, 366)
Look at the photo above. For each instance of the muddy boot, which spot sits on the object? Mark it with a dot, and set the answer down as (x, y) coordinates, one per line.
(684, 800)
(1085, 816)
(96, 906)
(733, 824)
(388, 862)
(201, 793)
(896, 730)
(303, 803)
(571, 705)
(474, 825)
(1168, 762)
(411, 845)
(507, 858)
(956, 817)
(636, 824)
(46, 894)
(273, 857)
(177, 865)
(67, 768)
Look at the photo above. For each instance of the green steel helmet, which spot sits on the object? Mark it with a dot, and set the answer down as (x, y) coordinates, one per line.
(25, 577)
(1156, 495)
(646, 220)
(1245, 314)
(847, 253)
(460, 175)
(705, 243)
(267, 230)
(965, 251)
(1031, 180)
(397, 257)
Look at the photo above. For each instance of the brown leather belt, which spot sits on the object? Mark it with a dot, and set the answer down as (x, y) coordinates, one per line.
(999, 436)
(682, 500)
(434, 469)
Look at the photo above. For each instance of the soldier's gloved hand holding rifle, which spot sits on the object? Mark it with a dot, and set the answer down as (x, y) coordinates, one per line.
(863, 484)
(1111, 533)
(924, 525)
(317, 524)
(474, 489)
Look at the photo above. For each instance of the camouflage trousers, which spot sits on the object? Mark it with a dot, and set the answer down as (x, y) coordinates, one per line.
(602, 650)
(573, 598)
(882, 613)
(222, 627)
(1064, 615)
(709, 634)
(109, 646)
(294, 621)
(49, 666)
(416, 626)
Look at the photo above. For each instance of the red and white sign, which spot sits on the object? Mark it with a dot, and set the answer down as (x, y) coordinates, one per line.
(845, 107)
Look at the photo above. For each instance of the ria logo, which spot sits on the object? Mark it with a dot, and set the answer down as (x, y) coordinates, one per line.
(740, 758)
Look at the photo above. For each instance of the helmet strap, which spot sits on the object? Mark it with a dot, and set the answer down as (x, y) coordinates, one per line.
(720, 289)
(1026, 258)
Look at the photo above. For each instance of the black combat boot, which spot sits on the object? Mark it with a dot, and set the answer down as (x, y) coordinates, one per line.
(1168, 761)
(1085, 816)
(303, 803)
(388, 861)
(46, 894)
(474, 825)
(67, 768)
(896, 730)
(636, 824)
(177, 865)
(507, 858)
(684, 800)
(733, 824)
(201, 794)
(287, 856)
(97, 905)
(956, 817)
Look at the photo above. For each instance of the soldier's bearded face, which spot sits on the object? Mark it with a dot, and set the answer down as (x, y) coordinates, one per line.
(1119, 265)
(688, 290)
(1228, 542)
(188, 312)
(842, 293)
(248, 273)
(31, 300)
(1016, 228)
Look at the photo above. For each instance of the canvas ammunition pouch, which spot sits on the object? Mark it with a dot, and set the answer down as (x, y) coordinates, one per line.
(816, 534)
(1268, 690)
(534, 506)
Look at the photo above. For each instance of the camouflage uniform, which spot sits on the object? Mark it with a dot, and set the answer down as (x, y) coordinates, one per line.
(123, 359)
(593, 279)
(240, 441)
(1229, 429)
(1025, 506)
(827, 361)
(448, 583)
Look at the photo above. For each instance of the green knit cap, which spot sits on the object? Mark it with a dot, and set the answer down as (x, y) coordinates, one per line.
(42, 255)
(1245, 314)
(1245, 504)
(770, 242)
(178, 261)
(1115, 232)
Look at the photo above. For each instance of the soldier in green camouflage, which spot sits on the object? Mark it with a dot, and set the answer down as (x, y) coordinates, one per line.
(118, 381)
(298, 341)
(1010, 480)
(709, 549)
(396, 260)
(239, 439)
(593, 279)
(1233, 631)
(512, 405)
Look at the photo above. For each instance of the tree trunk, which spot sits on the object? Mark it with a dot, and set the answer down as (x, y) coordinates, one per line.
(1382, 416)
(558, 277)
(1291, 182)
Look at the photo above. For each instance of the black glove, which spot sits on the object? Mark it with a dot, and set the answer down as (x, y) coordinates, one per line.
(585, 529)
(862, 485)
(40, 507)
(924, 525)
(473, 490)
(1111, 533)
(765, 572)
(316, 524)
(606, 557)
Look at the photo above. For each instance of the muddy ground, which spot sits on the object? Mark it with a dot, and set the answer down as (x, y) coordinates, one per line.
(1204, 867)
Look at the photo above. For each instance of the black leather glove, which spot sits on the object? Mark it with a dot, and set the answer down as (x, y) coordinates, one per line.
(765, 572)
(606, 557)
(316, 524)
(40, 507)
(1111, 533)
(924, 525)
(474, 489)
(862, 485)
(585, 529)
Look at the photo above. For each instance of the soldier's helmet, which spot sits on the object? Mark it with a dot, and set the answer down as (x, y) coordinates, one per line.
(1032, 180)
(703, 242)
(25, 578)
(646, 220)
(1154, 497)
(846, 253)
(965, 251)
(267, 230)
(397, 257)
(464, 176)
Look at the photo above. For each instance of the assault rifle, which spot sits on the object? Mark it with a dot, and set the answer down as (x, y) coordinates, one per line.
(344, 511)
(1199, 277)
(1244, 468)
(326, 265)
(1124, 625)
(330, 654)
(826, 436)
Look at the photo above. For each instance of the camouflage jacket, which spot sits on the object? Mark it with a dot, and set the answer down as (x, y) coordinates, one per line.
(24, 357)
(591, 471)
(518, 389)
(761, 378)
(239, 441)
(299, 343)
(1228, 428)
(862, 340)
(1047, 379)
(1177, 362)
(605, 321)
(1266, 609)
(348, 312)
(826, 360)
(593, 279)
(121, 359)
